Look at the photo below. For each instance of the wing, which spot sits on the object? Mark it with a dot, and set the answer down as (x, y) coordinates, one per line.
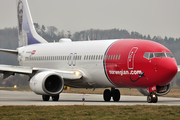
(8, 70)
(9, 51)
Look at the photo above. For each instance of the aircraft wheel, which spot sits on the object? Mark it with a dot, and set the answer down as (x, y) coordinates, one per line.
(45, 97)
(107, 95)
(55, 98)
(149, 99)
(116, 95)
(152, 98)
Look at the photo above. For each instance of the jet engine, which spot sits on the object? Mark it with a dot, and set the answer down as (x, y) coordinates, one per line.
(47, 83)
(161, 90)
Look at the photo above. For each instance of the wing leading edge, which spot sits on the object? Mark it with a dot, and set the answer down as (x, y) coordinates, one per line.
(8, 70)
(9, 51)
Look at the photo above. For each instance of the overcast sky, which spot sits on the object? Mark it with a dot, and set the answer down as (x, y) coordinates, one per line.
(154, 17)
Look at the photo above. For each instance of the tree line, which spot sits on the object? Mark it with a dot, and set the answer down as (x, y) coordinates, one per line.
(9, 40)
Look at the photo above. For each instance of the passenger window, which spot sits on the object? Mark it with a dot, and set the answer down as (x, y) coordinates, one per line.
(101, 57)
(119, 57)
(91, 57)
(108, 57)
(111, 57)
(116, 57)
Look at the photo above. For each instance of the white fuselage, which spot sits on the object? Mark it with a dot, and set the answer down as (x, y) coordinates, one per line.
(85, 56)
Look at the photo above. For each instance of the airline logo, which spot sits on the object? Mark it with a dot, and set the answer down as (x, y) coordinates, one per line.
(33, 52)
(125, 72)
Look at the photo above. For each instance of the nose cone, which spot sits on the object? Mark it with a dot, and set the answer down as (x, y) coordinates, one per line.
(168, 69)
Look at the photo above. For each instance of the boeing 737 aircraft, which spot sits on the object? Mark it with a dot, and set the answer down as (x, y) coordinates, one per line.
(118, 63)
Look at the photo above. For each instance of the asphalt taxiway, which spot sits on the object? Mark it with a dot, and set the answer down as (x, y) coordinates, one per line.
(24, 98)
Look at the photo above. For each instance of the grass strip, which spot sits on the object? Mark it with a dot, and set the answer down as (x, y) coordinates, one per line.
(136, 112)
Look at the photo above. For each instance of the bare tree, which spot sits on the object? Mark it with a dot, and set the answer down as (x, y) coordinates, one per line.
(51, 30)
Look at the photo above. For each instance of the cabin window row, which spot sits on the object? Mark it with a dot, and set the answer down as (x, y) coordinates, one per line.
(93, 57)
(101, 57)
(74, 57)
(113, 57)
(44, 58)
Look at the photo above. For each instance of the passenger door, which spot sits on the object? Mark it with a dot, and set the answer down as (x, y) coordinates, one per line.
(130, 62)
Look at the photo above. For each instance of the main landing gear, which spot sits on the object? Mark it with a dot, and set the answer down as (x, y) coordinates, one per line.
(114, 93)
(47, 97)
(152, 98)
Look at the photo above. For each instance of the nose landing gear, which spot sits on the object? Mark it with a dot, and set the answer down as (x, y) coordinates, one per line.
(152, 98)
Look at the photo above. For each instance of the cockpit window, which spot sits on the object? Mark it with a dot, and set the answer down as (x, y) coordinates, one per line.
(169, 55)
(159, 54)
(149, 55)
(146, 55)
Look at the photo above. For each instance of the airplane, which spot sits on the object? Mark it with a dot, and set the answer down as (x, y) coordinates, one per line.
(116, 63)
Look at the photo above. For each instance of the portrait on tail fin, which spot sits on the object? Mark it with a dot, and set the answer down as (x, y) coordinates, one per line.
(21, 32)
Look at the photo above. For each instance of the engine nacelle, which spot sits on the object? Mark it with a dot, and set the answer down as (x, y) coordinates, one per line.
(161, 90)
(47, 83)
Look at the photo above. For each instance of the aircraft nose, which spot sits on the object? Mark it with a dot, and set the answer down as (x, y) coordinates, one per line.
(168, 69)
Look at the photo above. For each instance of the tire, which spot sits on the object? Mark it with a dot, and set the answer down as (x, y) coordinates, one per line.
(45, 97)
(107, 95)
(154, 99)
(149, 99)
(116, 95)
(55, 98)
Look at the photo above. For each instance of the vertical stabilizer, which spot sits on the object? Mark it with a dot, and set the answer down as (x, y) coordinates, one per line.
(26, 31)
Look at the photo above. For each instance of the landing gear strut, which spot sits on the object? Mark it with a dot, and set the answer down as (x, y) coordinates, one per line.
(55, 98)
(152, 98)
(47, 97)
(115, 93)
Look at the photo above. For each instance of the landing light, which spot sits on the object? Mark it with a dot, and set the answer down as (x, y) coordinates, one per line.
(15, 86)
(77, 73)
(154, 96)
